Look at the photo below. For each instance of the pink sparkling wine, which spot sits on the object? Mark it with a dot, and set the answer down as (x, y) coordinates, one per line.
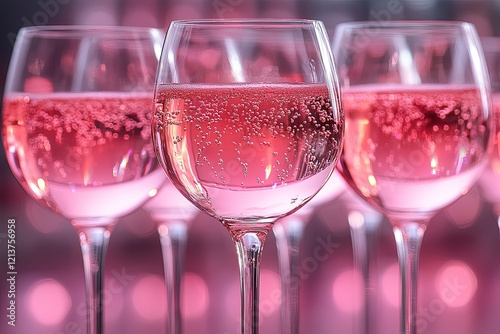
(247, 151)
(87, 155)
(414, 149)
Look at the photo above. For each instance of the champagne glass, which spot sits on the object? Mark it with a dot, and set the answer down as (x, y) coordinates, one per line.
(489, 182)
(172, 214)
(248, 126)
(418, 125)
(77, 130)
(288, 232)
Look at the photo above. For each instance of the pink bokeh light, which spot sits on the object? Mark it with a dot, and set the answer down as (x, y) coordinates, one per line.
(49, 301)
(347, 291)
(195, 296)
(456, 283)
(148, 297)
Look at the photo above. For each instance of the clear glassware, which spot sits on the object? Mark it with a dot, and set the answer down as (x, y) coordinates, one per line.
(172, 214)
(419, 125)
(364, 224)
(77, 130)
(489, 182)
(248, 126)
(288, 232)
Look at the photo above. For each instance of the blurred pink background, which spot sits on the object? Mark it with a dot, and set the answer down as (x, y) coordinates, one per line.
(459, 289)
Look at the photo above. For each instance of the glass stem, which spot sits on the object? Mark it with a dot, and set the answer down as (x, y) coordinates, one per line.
(409, 236)
(496, 211)
(94, 243)
(249, 244)
(498, 221)
(364, 226)
(288, 232)
(173, 236)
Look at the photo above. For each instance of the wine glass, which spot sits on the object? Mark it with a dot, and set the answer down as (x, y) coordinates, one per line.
(419, 125)
(489, 182)
(172, 214)
(288, 232)
(77, 130)
(248, 126)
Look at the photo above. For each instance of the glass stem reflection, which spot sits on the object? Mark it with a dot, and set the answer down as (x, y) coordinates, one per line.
(173, 236)
(94, 243)
(409, 236)
(288, 232)
(249, 243)
(364, 227)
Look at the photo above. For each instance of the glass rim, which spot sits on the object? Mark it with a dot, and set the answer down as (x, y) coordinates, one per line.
(244, 22)
(67, 31)
(422, 25)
